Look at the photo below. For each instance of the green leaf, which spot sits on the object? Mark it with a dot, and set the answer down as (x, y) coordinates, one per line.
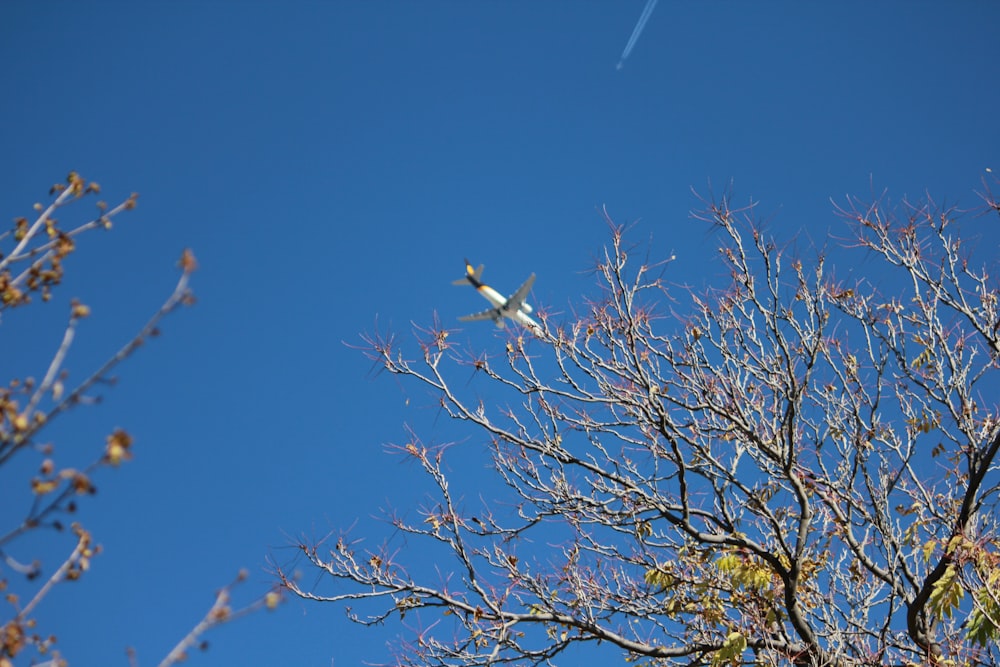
(981, 627)
(946, 595)
(731, 650)
(656, 577)
(929, 550)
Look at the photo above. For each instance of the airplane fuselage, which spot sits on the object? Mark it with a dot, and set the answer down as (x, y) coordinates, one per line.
(513, 308)
(496, 298)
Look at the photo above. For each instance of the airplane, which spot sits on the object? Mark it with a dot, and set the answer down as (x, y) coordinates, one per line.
(513, 307)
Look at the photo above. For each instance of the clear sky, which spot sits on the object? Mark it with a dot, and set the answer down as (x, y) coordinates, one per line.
(331, 163)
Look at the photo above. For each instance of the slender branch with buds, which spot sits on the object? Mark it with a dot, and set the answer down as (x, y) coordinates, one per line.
(27, 408)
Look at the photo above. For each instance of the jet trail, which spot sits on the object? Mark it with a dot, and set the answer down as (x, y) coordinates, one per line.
(643, 18)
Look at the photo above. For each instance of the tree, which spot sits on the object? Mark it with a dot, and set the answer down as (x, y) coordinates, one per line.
(33, 266)
(792, 470)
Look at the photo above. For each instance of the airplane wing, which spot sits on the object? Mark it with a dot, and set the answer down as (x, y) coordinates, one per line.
(490, 314)
(516, 300)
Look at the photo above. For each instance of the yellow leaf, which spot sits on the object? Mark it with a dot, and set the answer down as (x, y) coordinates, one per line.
(40, 487)
(118, 445)
(21, 423)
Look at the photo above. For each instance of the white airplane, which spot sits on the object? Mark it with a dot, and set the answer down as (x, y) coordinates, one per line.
(513, 307)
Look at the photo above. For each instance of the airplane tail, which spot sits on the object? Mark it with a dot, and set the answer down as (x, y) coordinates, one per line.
(472, 276)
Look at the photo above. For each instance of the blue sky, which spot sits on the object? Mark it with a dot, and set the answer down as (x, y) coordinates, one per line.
(331, 163)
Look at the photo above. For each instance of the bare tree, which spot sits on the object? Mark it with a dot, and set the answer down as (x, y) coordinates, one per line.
(792, 470)
(33, 266)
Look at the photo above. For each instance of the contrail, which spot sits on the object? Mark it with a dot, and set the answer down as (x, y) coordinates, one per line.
(646, 12)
